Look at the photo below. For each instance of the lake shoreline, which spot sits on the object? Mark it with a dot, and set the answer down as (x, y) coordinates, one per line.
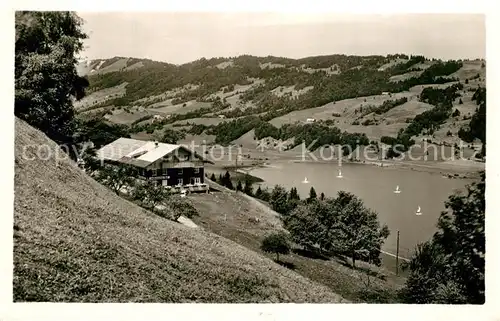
(251, 158)
(447, 170)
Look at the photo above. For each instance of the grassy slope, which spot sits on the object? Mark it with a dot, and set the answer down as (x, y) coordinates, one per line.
(74, 240)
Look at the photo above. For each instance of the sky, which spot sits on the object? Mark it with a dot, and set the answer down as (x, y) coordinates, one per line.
(182, 37)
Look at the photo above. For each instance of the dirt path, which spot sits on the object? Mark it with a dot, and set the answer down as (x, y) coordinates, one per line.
(186, 221)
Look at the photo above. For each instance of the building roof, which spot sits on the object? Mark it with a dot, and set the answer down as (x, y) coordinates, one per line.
(119, 148)
(139, 152)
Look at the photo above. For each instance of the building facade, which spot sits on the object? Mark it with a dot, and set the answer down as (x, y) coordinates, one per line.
(175, 167)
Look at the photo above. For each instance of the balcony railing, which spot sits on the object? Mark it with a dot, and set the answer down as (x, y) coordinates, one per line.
(183, 164)
(202, 187)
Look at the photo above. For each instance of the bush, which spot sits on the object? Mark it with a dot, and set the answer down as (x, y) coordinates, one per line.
(180, 207)
(276, 243)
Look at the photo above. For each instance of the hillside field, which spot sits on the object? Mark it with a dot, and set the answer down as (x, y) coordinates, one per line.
(77, 241)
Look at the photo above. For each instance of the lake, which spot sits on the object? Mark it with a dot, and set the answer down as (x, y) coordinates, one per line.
(375, 186)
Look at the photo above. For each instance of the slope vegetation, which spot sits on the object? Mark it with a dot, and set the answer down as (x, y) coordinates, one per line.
(74, 240)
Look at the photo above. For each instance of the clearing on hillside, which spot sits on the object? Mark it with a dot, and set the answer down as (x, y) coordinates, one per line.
(76, 241)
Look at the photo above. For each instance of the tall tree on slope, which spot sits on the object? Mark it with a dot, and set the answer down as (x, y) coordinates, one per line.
(46, 80)
(449, 268)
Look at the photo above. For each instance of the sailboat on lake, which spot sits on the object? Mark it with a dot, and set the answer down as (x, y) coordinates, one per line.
(419, 212)
(305, 181)
(340, 174)
(397, 191)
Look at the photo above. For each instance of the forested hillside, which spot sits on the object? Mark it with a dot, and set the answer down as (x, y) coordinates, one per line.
(399, 97)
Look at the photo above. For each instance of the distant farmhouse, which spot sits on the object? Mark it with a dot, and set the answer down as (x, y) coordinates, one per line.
(157, 118)
(310, 120)
(173, 166)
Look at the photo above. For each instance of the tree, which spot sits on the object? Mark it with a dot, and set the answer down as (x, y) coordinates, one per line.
(45, 75)
(312, 194)
(456, 113)
(239, 187)
(279, 199)
(265, 195)
(226, 181)
(341, 225)
(150, 194)
(212, 177)
(46, 80)
(293, 199)
(305, 226)
(477, 124)
(361, 232)
(90, 163)
(171, 136)
(449, 268)
(322, 196)
(276, 243)
(294, 194)
(97, 131)
(258, 193)
(460, 102)
(116, 177)
(247, 188)
(155, 194)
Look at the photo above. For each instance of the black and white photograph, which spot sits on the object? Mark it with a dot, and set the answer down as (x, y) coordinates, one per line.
(249, 157)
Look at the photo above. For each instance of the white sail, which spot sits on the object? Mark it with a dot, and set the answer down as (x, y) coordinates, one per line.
(340, 174)
(419, 212)
(397, 191)
(305, 181)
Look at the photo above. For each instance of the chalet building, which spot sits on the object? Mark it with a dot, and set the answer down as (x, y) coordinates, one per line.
(174, 166)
